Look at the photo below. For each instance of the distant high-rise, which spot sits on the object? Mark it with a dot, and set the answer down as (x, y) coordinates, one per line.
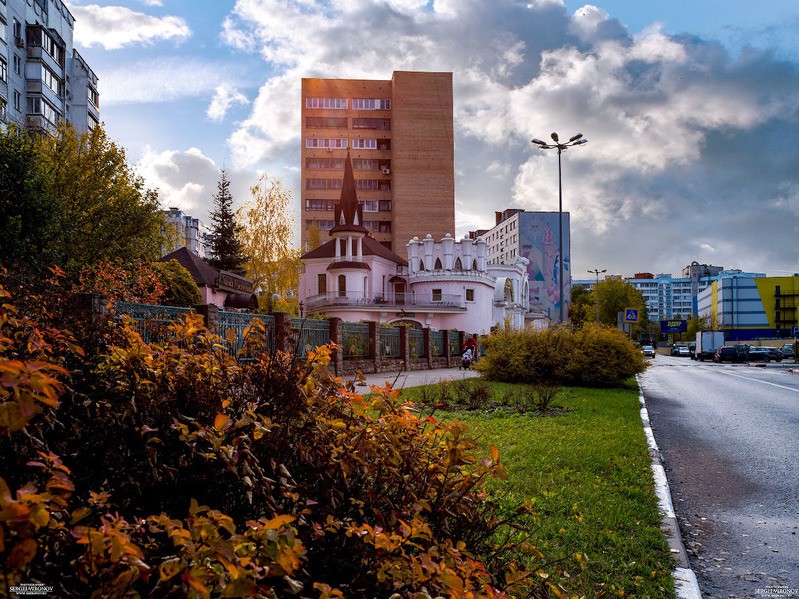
(43, 79)
(400, 135)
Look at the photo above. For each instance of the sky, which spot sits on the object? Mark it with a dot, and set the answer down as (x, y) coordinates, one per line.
(691, 109)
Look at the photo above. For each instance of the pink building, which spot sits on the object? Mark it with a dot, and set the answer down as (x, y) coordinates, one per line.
(445, 284)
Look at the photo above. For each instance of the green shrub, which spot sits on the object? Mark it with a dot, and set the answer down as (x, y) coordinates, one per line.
(592, 356)
(181, 290)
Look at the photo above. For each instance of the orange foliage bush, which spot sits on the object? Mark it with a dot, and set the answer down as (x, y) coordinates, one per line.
(188, 473)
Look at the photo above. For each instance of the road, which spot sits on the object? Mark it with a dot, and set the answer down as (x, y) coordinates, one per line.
(728, 435)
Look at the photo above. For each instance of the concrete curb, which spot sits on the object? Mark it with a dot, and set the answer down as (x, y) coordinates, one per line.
(684, 578)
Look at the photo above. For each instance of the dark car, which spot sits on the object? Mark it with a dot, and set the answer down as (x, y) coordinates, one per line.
(675, 350)
(727, 353)
(788, 351)
(764, 354)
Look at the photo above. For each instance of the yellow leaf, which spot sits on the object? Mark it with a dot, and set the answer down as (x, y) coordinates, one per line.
(170, 568)
(79, 514)
(221, 422)
(494, 453)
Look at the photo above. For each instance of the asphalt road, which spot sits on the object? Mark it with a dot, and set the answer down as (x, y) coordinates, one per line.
(728, 435)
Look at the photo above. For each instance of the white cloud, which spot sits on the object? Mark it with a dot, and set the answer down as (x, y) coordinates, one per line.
(670, 120)
(225, 96)
(184, 179)
(162, 80)
(114, 27)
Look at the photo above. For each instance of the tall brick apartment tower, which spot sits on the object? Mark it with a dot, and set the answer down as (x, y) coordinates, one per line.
(400, 135)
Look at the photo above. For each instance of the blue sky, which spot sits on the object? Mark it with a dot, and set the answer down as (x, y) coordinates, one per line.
(691, 109)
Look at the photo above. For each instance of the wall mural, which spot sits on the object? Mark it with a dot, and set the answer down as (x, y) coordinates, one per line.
(538, 240)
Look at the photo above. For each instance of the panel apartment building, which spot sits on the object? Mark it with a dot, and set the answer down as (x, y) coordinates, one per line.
(43, 79)
(400, 135)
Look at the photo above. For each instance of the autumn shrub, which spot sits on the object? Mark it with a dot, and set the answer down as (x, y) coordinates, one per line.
(592, 356)
(171, 469)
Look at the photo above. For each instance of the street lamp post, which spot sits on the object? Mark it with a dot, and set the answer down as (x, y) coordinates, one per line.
(576, 140)
(597, 272)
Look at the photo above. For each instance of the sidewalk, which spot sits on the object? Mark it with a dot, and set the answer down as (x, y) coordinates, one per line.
(416, 378)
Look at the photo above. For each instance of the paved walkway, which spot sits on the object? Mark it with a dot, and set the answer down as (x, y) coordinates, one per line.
(415, 378)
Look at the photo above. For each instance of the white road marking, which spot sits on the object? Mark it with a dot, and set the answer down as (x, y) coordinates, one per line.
(759, 381)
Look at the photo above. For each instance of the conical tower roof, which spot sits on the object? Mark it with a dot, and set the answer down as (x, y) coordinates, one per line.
(349, 213)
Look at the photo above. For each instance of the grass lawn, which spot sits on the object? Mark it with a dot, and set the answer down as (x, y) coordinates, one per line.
(588, 473)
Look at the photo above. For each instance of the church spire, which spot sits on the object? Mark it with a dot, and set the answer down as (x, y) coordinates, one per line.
(349, 213)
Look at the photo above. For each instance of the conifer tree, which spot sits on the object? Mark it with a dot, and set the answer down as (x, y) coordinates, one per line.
(226, 248)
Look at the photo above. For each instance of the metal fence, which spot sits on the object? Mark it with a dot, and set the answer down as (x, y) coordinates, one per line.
(151, 321)
(310, 334)
(355, 340)
(454, 343)
(390, 342)
(416, 343)
(437, 343)
(237, 323)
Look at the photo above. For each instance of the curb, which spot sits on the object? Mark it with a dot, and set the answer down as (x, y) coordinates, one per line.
(684, 578)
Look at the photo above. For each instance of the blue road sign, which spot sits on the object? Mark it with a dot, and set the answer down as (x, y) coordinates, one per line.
(796, 331)
(630, 315)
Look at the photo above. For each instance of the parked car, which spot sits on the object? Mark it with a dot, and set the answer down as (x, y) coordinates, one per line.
(727, 353)
(675, 350)
(788, 351)
(648, 351)
(684, 352)
(765, 354)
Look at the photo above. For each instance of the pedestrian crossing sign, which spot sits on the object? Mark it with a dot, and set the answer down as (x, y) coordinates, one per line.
(630, 315)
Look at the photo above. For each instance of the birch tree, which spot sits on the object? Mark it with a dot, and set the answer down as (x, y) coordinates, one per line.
(268, 241)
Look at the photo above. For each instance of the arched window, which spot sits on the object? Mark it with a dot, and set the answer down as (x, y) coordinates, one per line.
(437, 265)
(342, 286)
(458, 264)
(366, 286)
(421, 265)
(474, 264)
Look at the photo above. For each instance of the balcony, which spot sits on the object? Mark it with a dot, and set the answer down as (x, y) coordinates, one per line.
(386, 301)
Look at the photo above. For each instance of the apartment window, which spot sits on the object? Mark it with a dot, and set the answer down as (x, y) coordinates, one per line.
(18, 32)
(379, 124)
(317, 122)
(3, 70)
(470, 295)
(337, 163)
(437, 295)
(370, 206)
(364, 144)
(313, 142)
(17, 64)
(94, 97)
(320, 204)
(371, 104)
(17, 101)
(92, 122)
(3, 104)
(321, 283)
(372, 185)
(3, 25)
(42, 107)
(324, 225)
(384, 205)
(365, 164)
(332, 103)
(323, 183)
(52, 81)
